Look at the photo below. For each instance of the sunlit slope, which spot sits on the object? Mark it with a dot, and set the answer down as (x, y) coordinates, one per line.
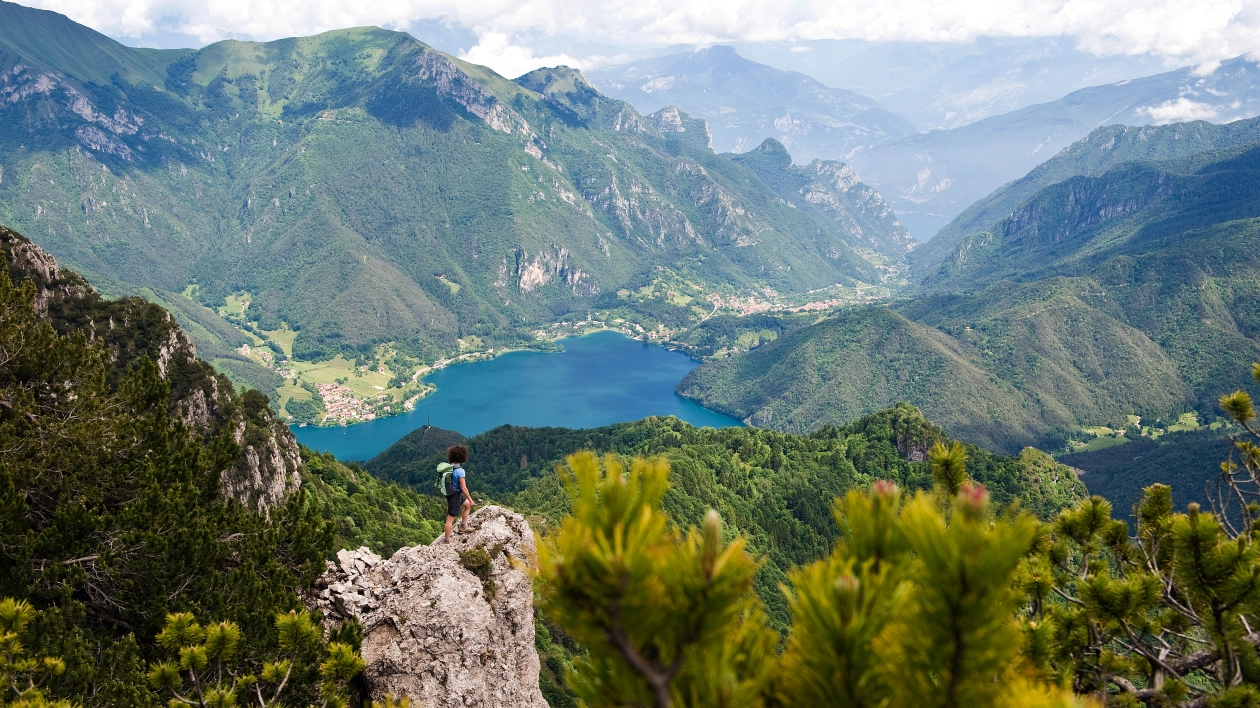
(1133, 292)
(363, 188)
(54, 41)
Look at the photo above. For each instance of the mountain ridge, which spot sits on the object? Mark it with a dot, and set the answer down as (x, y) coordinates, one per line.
(746, 102)
(1129, 293)
(388, 202)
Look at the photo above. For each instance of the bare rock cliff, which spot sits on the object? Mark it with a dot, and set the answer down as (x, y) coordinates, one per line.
(444, 624)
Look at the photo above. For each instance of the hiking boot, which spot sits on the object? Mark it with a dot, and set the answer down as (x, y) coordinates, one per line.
(441, 539)
(463, 528)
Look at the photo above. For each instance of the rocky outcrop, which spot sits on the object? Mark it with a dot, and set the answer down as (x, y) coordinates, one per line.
(266, 471)
(444, 624)
(451, 81)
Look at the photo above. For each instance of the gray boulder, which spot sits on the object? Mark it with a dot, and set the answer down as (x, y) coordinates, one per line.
(444, 624)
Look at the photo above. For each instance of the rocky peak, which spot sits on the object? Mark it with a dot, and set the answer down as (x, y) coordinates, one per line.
(671, 119)
(444, 624)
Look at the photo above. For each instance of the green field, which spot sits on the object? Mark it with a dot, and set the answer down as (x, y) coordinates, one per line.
(1103, 442)
(283, 337)
(236, 304)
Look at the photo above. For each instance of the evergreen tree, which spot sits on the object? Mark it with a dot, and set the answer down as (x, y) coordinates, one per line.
(23, 676)
(111, 513)
(914, 607)
(206, 671)
(668, 618)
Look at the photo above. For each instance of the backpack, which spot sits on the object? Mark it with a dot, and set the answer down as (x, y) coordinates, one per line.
(446, 480)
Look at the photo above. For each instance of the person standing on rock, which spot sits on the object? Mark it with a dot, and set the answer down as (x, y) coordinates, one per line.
(458, 500)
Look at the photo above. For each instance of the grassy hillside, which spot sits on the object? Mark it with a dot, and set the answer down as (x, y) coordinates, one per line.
(361, 189)
(776, 488)
(53, 41)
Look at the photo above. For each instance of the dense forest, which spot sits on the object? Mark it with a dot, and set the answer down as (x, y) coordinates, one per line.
(775, 488)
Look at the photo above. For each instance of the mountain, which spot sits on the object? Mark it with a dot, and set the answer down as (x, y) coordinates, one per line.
(1134, 209)
(1101, 150)
(942, 85)
(1010, 372)
(360, 194)
(746, 102)
(933, 177)
(831, 191)
(776, 488)
(1130, 293)
(1189, 462)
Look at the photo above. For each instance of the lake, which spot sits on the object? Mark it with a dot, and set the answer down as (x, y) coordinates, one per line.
(598, 379)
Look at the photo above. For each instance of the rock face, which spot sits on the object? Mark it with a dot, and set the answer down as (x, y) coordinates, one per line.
(444, 624)
(266, 471)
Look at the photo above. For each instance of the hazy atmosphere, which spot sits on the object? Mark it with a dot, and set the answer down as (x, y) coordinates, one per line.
(551, 354)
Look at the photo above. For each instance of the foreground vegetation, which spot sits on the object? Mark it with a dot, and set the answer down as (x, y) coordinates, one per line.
(934, 599)
(113, 510)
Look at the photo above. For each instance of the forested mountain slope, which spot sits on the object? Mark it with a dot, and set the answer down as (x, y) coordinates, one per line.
(362, 188)
(775, 488)
(136, 482)
(1101, 150)
(1133, 292)
(1134, 208)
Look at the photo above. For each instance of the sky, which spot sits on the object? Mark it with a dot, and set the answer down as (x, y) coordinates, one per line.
(514, 37)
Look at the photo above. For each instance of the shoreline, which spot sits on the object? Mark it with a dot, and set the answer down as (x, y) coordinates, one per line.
(471, 357)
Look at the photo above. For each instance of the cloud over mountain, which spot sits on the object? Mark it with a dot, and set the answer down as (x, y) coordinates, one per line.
(1201, 32)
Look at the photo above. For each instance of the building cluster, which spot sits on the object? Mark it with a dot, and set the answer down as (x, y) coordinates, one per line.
(342, 405)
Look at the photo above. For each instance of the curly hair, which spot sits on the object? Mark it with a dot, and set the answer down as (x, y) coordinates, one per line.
(457, 454)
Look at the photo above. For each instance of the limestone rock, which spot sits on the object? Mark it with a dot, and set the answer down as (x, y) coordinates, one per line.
(434, 630)
(266, 471)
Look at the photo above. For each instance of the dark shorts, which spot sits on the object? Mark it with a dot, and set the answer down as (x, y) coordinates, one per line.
(454, 504)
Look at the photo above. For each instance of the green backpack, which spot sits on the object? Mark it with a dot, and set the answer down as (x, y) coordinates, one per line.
(445, 483)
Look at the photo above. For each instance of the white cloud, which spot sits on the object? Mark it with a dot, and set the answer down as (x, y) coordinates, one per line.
(1199, 32)
(495, 50)
(1178, 111)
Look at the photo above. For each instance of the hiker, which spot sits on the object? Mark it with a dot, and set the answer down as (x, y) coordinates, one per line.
(454, 484)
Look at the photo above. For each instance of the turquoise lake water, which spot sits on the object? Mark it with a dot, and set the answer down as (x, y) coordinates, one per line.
(598, 379)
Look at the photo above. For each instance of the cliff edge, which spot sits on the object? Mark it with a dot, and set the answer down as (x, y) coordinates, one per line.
(444, 624)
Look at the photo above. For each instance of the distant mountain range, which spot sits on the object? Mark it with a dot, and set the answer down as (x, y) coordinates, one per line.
(1100, 151)
(1132, 291)
(941, 85)
(745, 102)
(932, 177)
(360, 187)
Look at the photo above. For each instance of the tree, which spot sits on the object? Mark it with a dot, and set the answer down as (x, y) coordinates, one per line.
(914, 607)
(206, 670)
(668, 618)
(24, 677)
(1166, 616)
